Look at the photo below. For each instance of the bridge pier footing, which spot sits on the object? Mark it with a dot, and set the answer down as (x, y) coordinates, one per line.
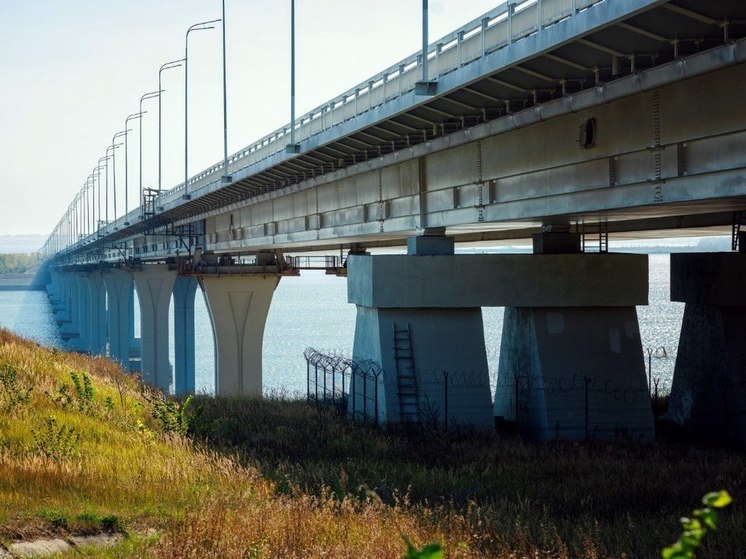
(185, 288)
(238, 306)
(154, 284)
(708, 395)
(119, 286)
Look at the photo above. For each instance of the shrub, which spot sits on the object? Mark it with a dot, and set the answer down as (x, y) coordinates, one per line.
(695, 528)
(55, 442)
(13, 394)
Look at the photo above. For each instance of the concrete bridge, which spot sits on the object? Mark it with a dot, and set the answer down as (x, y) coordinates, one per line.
(564, 121)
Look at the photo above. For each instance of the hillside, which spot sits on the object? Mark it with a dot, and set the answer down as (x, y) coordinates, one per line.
(84, 449)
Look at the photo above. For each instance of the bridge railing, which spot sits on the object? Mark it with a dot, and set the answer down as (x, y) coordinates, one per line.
(509, 22)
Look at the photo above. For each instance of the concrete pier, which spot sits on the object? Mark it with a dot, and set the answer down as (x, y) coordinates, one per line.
(97, 324)
(570, 321)
(154, 284)
(119, 285)
(185, 289)
(238, 306)
(708, 395)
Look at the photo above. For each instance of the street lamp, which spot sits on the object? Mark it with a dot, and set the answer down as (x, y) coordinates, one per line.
(149, 95)
(203, 26)
(226, 178)
(292, 147)
(425, 86)
(112, 147)
(114, 168)
(126, 161)
(98, 173)
(166, 66)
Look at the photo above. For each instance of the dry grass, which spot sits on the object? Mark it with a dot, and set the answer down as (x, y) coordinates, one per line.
(276, 478)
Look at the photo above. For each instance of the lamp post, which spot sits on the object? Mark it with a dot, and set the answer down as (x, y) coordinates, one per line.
(114, 168)
(112, 147)
(149, 95)
(226, 178)
(292, 147)
(425, 86)
(164, 67)
(126, 161)
(98, 173)
(202, 26)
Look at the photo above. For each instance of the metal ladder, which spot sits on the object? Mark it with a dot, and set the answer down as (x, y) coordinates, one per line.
(409, 408)
(602, 237)
(736, 230)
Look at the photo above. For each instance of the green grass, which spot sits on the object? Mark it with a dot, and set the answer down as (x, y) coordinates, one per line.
(277, 478)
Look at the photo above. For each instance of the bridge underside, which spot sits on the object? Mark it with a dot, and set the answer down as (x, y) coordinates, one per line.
(626, 119)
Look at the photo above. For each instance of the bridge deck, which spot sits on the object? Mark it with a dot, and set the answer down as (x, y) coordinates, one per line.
(515, 64)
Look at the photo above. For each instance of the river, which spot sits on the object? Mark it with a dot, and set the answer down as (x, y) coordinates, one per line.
(312, 310)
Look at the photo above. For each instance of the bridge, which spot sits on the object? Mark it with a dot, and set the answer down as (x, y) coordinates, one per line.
(563, 121)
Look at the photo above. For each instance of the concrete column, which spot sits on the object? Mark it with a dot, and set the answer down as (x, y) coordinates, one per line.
(70, 326)
(82, 343)
(119, 286)
(135, 343)
(238, 306)
(54, 290)
(185, 289)
(154, 284)
(97, 326)
(571, 363)
(708, 395)
(413, 320)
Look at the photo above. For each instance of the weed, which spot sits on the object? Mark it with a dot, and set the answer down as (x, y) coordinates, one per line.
(430, 551)
(695, 528)
(80, 395)
(56, 518)
(173, 416)
(13, 394)
(55, 442)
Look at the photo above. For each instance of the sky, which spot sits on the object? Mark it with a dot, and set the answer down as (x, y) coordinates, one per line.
(71, 71)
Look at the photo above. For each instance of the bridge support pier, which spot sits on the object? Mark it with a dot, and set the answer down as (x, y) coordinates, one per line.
(571, 363)
(154, 284)
(54, 291)
(96, 312)
(427, 338)
(119, 285)
(238, 306)
(69, 323)
(83, 304)
(708, 395)
(185, 289)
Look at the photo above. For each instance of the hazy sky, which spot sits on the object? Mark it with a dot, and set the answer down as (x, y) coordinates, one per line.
(72, 70)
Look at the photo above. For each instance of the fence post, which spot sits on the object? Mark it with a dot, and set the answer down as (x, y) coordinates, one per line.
(375, 407)
(365, 399)
(587, 382)
(353, 387)
(308, 379)
(334, 384)
(445, 398)
(316, 389)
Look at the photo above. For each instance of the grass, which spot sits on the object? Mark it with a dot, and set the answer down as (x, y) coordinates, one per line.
(278, 478)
